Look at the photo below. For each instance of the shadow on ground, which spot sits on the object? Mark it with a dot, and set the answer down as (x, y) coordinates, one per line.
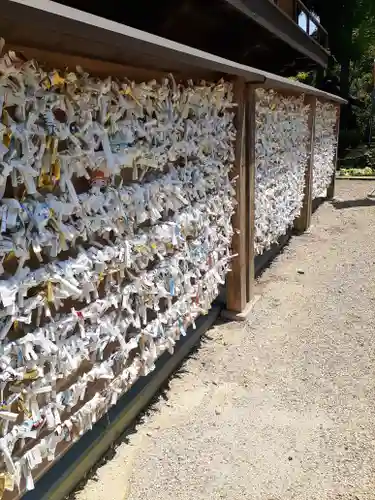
(363, 202)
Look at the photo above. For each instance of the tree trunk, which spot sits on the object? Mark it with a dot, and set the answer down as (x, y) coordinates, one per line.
(345, 76)
(345, 58)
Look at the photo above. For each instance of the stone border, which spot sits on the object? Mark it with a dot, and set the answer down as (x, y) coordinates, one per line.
(355, 177)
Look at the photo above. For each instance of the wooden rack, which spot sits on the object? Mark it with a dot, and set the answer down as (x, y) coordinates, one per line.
(61, 37)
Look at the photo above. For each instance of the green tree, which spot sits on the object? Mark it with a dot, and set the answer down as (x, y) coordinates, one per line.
(351, 29)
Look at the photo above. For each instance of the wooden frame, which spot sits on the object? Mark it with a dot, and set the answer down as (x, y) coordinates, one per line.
(62, 36)
(331, 187)
(240, 281)
(289, 7)
(240, 293)
(310, 17)
(236, 281)
(302, 223)
(103, 69)
(250, 200)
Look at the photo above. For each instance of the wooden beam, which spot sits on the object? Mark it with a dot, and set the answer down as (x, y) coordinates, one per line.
(240, 282)
(303, 221)
(331, 187)
(236, 280)
(250, 188)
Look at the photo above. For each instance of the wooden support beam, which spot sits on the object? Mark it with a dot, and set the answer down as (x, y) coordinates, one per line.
(303, 221)
(236, 280)
(78, 457)
(331, 187)
(240, 282)
(250, 188)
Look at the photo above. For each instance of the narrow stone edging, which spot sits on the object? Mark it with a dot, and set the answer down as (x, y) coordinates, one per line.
(356, 177)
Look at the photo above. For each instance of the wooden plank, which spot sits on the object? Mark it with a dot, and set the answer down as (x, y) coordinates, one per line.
(262, 260)
(331, 187)
(250, 184)
(236, 280)
(302, 223)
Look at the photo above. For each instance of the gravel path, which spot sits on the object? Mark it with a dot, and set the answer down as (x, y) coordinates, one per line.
(281, 407)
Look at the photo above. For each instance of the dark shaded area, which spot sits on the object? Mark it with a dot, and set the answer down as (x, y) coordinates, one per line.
(365, 202)
(331, 84)
(316, 203)
(348, 120)
(218, 27)
(263, 261)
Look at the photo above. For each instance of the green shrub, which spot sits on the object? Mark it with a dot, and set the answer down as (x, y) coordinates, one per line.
(370, 157)
(359, 172)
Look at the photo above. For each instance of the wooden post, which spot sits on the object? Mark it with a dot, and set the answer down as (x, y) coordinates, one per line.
(236, 280)
(240, 282)
(250, 188)
(303, 221)
(331, 187)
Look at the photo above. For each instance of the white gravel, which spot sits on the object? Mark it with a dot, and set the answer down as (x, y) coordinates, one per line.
(281, 407)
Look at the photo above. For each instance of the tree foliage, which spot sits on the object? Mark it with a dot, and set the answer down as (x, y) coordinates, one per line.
(351, 30)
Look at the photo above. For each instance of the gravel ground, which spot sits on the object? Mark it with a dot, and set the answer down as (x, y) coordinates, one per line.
(281, 407)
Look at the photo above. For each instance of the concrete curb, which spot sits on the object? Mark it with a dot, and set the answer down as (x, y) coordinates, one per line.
(355, 178)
